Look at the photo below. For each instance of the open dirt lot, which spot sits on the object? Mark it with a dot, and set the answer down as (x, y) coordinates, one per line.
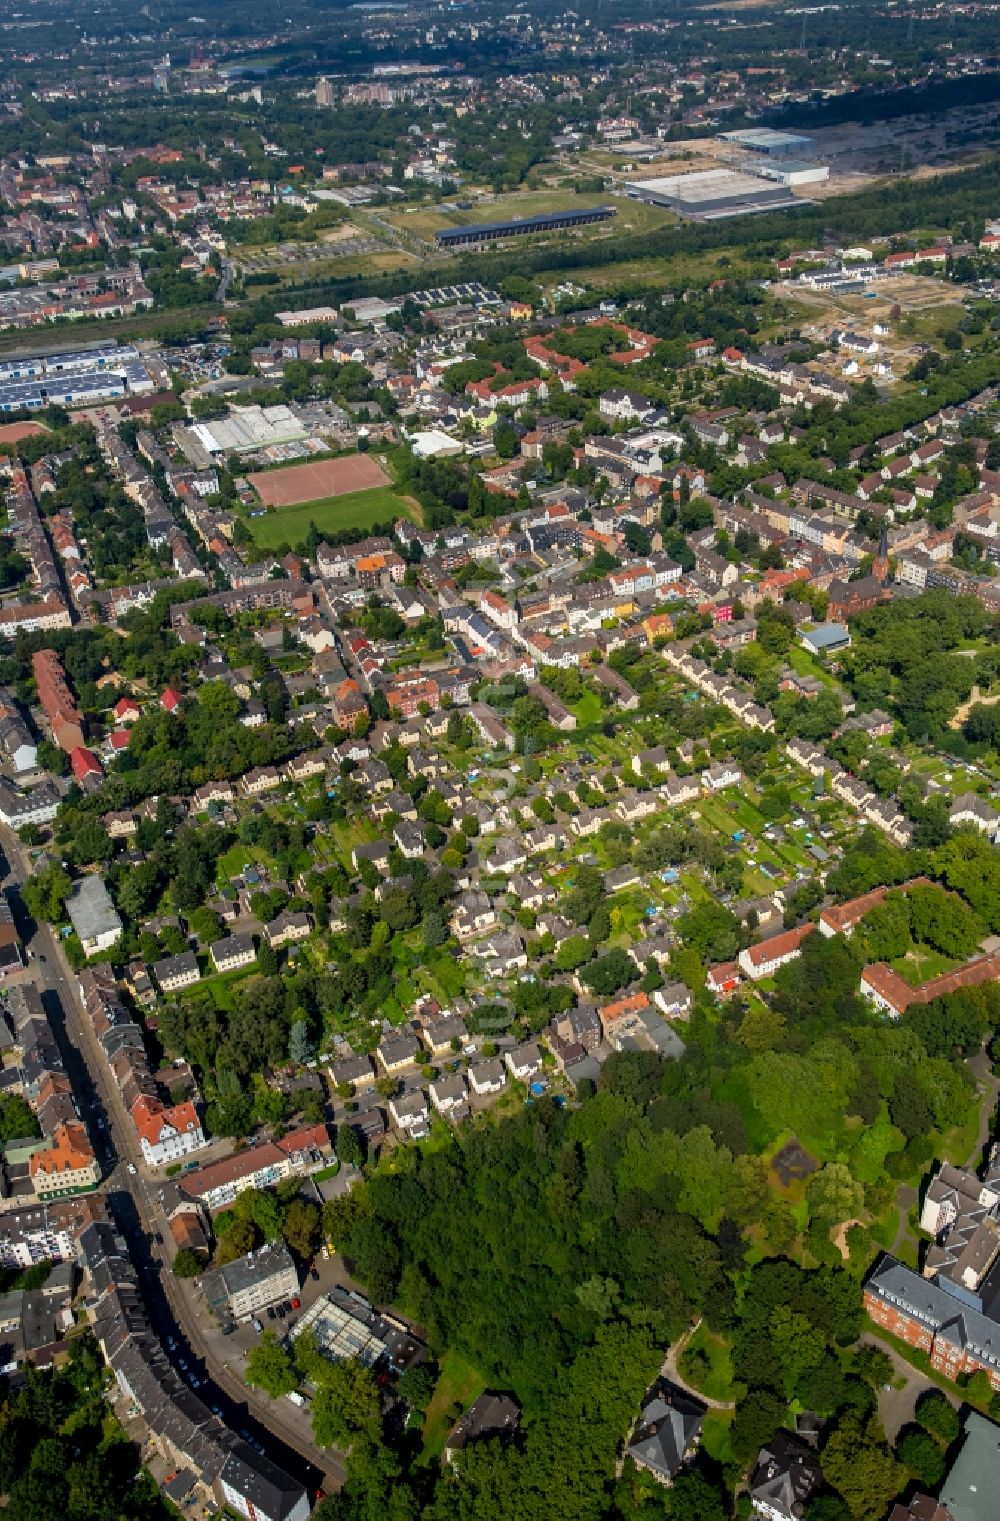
(12, 433)
(310, 483)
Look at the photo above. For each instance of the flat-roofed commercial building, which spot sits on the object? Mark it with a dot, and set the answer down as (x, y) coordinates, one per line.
(711, 194)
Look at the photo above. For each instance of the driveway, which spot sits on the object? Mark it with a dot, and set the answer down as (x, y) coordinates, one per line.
(896, 1406)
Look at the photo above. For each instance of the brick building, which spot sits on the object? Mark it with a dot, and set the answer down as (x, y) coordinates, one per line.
(956, 1333)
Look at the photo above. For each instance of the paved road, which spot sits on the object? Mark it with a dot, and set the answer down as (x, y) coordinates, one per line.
(669, 1370)
(896, 1406)
(135, 1201)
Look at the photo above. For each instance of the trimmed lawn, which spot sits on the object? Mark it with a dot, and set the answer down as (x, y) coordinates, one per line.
(222, 987)
(921, 964)
(707, 1366)
(236, 860)
(588, 710)
(459, 1383)
(355, 509)
(716, 1436)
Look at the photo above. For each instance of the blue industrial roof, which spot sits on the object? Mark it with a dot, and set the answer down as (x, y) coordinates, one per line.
(827, 635)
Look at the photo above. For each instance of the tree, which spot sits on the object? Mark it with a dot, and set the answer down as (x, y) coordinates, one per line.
(937, 1415)
(694, 1497)
(187, 1263)
(875, 1366)
(758, 1416)
(349, 1146)
(417, 1385)
(886, 929)
(301, 1227)
(712, 930)
(923, 1456)
(375, 1253)
(270, 1367)
(860, 1467)
(909, 1109)
(346, 1405)
(833, 1195)
(300, 1048)
(610, 973)
(45, 894)
(573, 952)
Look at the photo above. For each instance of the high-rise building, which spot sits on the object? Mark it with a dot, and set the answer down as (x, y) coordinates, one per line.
(324, 92)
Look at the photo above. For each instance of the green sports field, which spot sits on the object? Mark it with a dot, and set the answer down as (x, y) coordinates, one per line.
(356, 509)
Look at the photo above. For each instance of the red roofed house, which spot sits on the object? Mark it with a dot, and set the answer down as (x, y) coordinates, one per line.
(618, 1019)
(118, 740)
(517, 394)
(763, 960)
(126, 710)
(842, 918)
(887, 990)
(84, 763)
(170, 700)
(724, 978)
(166, 1133)
(903, 260)
(69, 1166)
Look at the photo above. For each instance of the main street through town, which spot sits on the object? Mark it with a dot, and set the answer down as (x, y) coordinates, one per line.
(134, 1196)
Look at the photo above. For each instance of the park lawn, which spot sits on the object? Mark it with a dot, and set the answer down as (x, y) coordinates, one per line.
(355, 509)
(707, 1366)
(958, 1143)
(805, 664)
(459, 1383)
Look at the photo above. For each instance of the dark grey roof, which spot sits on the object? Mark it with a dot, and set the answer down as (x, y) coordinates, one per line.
(491, 1415)
(669, 1423)
(266, 1487)
(255, 1268)
(786, 1475)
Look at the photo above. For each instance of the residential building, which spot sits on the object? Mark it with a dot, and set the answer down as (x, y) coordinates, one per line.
(524, 1062)
(175, 972)
(68, 1166)
(490, 1418)
(263, 1165)
(956, 1333)
(969, 1491)
(93, 916)
(252, 1283)
(257, 1489)
(232, 953)
(763, 960)
(786, 1476)
(166, 1132)
(667, 1431)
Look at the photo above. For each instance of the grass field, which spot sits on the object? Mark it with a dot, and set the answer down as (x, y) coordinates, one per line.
(632, 216)
(459, 1383)
(425, 221)
(356, 509)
